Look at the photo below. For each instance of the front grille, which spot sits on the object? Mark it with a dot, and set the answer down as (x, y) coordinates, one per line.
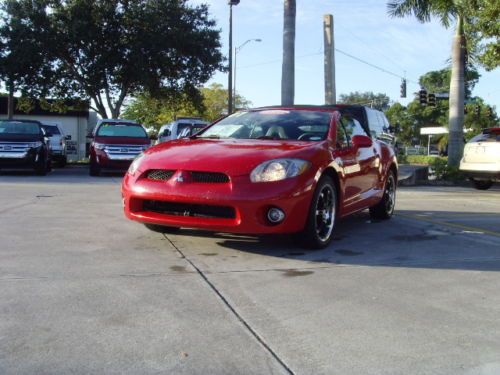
(159, 174)
(209, 177)
(14, 146)
(188, 209)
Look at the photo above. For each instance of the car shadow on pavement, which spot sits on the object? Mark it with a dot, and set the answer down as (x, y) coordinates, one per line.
(415, 239)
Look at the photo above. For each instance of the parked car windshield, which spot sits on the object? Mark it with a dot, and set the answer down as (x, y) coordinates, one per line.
(301, 125)
(51, 130)
(121, 130)
(18, 127)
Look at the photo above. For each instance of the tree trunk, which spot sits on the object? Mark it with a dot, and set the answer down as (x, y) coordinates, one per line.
(10, 101)
(457, 96)
(288, 68)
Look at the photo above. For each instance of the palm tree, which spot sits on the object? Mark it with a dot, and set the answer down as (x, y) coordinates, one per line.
(288, 68)
(445, 10)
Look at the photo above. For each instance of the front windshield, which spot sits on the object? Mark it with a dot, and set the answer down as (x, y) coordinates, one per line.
(299, 125)
(121, 130)
(51, 130)
(19, 127)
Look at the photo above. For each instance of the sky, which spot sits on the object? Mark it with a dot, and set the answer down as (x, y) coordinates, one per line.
(402, 46)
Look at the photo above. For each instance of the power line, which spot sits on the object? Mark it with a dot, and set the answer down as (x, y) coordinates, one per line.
(343, 53)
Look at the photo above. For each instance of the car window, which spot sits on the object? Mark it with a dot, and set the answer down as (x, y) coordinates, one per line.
(18, 127)
(487, 136)
(165, 133)
(121, 130)
(300, 125)
(342, 140)
(51, 130)
(352, 127)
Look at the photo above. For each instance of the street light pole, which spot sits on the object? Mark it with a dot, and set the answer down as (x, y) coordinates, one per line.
(236, 50)
(230, 75)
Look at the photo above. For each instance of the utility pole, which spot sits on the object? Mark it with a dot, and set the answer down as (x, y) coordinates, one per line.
(330, 91)
(230, 75)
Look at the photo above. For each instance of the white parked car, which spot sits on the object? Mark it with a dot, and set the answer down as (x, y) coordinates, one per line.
(481, 161)
(182, 127)
(58, 139)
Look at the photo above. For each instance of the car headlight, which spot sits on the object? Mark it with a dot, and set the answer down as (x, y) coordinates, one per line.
(99, 146)
(279, 169)
(135, 164)
(35, 144)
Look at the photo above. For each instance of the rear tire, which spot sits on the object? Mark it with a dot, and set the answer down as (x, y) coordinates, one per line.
(482, 184)
(322, 215)
(162, 228)
(384, 209)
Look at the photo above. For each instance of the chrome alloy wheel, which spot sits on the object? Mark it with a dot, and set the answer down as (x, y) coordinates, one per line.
(325, 213)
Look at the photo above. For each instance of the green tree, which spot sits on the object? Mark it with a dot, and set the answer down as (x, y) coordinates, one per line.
(377, 101)
(486, 29)
(105, 50)
(158, 111)
(23, 56)
(438, 81)
(445, 10)
(288, 67)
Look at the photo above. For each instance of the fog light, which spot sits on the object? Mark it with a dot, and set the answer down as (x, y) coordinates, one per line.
(275, 215)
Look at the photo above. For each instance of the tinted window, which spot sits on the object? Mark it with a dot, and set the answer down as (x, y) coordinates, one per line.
(121, 130)
(302, 125)
(51, 130)
(352, 127)
(18, 127)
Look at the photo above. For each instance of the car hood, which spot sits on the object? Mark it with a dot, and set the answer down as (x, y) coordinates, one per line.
(21, 137)
(231, 156)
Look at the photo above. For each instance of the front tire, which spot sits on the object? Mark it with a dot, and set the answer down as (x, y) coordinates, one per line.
(322, 215)
(94, 170)
(162, 228)
(482, 184)
(384, 209)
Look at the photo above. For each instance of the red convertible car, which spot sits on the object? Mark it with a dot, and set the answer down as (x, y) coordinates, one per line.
(266, 170)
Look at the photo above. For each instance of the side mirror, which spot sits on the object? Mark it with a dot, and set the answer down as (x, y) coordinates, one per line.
(68, 138)
(361, 141)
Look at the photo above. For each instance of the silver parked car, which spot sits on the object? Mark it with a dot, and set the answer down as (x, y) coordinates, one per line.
(57, 139)
(481, 161)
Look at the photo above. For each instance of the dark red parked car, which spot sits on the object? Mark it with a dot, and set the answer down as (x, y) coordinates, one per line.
(267, 170)
(115, 144)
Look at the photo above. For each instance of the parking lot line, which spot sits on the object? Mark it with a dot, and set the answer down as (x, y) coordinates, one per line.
(453, 225)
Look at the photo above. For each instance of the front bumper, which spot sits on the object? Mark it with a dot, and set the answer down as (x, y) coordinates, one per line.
(18, 160)
(104, 161)
(249, 201)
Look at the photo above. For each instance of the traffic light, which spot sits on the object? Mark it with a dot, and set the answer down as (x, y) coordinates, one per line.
(477, 110)
(403, 88)
(489, 112)
(422, 94)
(431, 100)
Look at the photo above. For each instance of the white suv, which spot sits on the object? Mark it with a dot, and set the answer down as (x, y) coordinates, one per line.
(57, 142)
(182, 127)
(481, 161)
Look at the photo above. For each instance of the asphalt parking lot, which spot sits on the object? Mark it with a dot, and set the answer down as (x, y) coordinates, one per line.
(85, 291)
